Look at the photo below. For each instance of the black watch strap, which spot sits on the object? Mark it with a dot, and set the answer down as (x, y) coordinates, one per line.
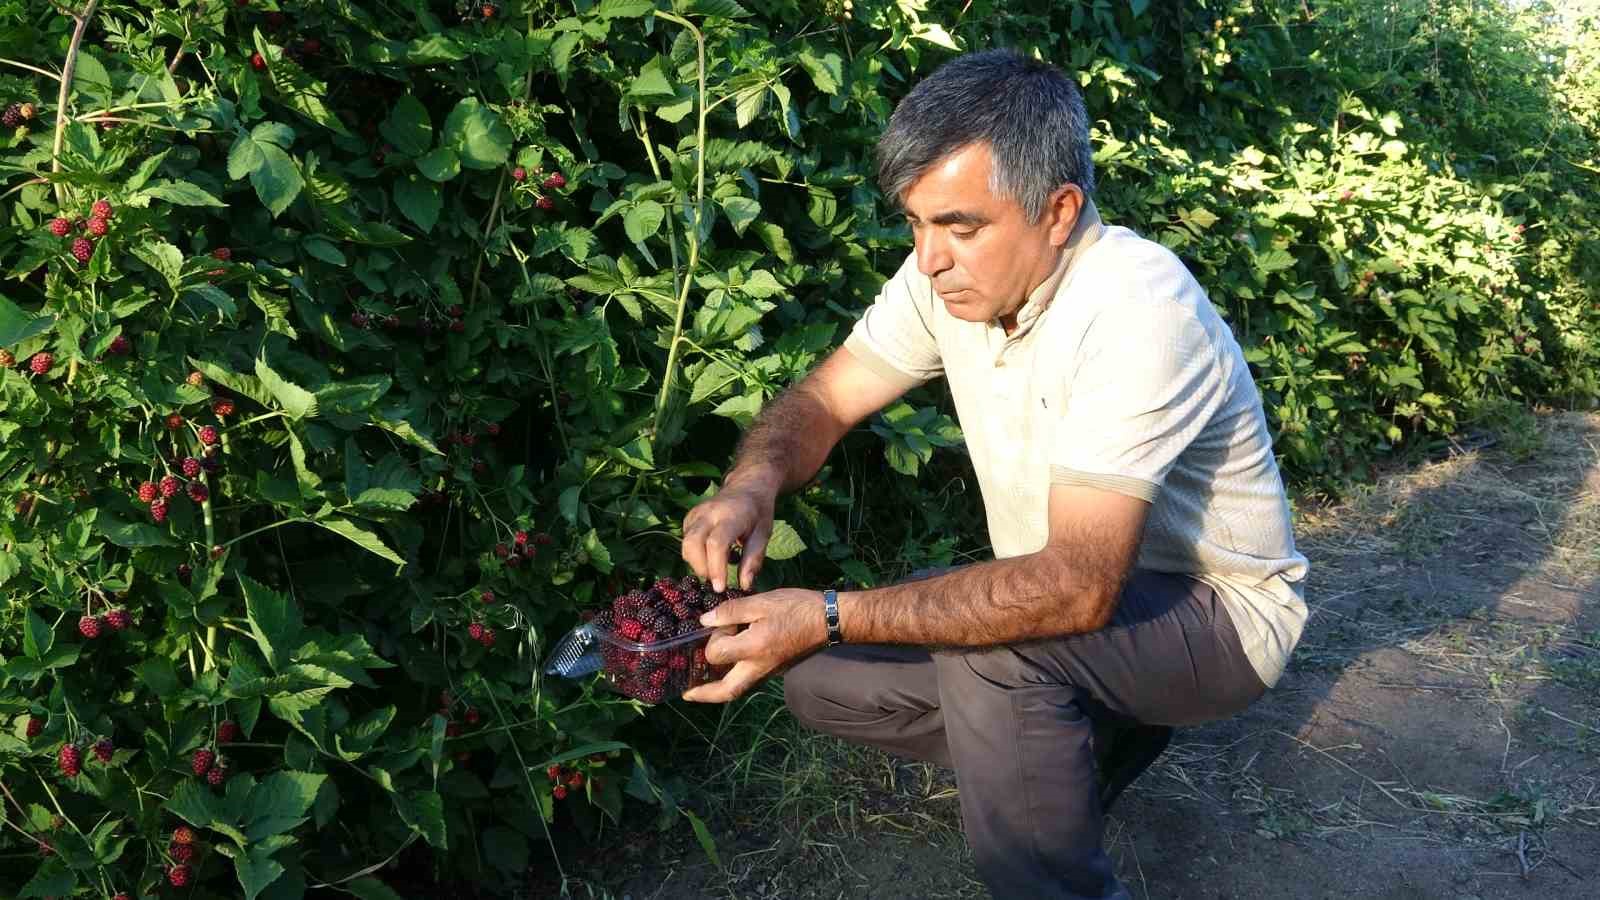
(830, 612)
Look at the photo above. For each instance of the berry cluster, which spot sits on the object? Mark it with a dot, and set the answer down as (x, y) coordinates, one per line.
(206, 764)
(668, 609)
(17, 113)
(548, 185)
(97, 225)
(92, 626)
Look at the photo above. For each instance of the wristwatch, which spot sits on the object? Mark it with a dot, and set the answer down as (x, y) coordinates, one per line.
(830, 612)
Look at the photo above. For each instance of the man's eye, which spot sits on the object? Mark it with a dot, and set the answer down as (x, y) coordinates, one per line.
(964, 234)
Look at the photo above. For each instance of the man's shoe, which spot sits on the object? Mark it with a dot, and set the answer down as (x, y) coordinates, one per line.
(1127, 752)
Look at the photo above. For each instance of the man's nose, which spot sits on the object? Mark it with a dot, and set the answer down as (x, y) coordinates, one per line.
(933, 252)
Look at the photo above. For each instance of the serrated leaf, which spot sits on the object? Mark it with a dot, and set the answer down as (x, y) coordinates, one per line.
(256, 870)
(826, 71)
(748, 103)
(278, 803)
(644, 220)
(193, 803)
(277, 180)
(164, 258)
(599, 554)
(423, 811)
(37, 637)
(624, 9)
(183, 194)
(16, 325)
(785, 542)
(51, 879)
(727, 9)
(420, 200)
(741, 212)
(274, 621)
(407, 126)
(651, 83)
(478, 136)
(298, 402)
(130, 534)
(361, 537)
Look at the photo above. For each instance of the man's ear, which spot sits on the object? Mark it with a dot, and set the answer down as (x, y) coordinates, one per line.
(1061, 211)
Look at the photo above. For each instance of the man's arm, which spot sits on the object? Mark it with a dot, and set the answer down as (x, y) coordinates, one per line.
(1069, 586)
(783, 449)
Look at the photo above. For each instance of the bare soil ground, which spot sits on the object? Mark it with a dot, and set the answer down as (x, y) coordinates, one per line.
(1436, 736)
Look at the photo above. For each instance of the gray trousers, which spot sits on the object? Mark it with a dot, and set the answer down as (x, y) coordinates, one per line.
(1019, 723)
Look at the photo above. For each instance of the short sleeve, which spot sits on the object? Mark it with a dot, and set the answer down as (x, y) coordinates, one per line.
(1147, 381)
(895, 336)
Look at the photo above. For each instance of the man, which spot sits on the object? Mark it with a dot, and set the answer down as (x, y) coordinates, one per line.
(1145, 573)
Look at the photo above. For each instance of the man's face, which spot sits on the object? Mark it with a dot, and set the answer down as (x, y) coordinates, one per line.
(978, 248)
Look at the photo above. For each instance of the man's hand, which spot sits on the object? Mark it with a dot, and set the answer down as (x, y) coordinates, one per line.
(782, 626)
(740, 512)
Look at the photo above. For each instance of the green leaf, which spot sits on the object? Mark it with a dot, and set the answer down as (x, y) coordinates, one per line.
(17, 326)
(256, 869)
(361, 537)
(651, 83)
(279, 803)
(703, 835)
(1274, 261)
(826, 71)
(424, 812)
(477, 134)
(624, 9)
(441, 165)
(37, 637)
(748, 103)
(644, 220)
(166, 259)
(298, 402)
(727, 9)
(420, 200)
(505, 849)
(182, 193)
(408, 127)
(274, 621)
(785, 542)
(192, 802)
(130, 534)
(741, 212)
(52, 879)
(599, 554)
(321, 248)
(277, 180)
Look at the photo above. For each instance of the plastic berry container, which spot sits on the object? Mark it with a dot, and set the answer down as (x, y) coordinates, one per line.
(628, 656)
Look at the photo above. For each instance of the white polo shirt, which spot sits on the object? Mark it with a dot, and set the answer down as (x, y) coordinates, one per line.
(1120, 375)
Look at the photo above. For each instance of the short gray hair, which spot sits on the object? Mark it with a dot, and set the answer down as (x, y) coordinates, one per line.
(1029, 113)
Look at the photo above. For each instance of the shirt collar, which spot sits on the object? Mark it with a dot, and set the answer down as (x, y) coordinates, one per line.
(1085, 232)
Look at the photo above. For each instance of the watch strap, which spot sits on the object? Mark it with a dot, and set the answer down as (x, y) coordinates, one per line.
(830, 612)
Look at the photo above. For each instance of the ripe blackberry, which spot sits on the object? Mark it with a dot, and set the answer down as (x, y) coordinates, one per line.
(170, 486)
(228, 731)
(687, 627)
(185, 574)
(202, 760)
(40, 363)
(602, 620)
(60, 227)
(35, 727)
(629, 629)
(89, 627)
(12, 117)
(648, 617)
(191, 467)
(147, 492)
(120, 345)
(82, 249)
(104, 750)
(182, 853)
(69, 760)
(198, 492)
(118, 619)
(487, 638)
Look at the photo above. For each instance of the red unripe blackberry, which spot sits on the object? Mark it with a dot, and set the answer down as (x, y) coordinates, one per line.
(520, 538)
(147, 492)
(82, 249)
(174, 422)
(70, 760)
(222, 254)
(468, 440)
(35, 726)
(276, 19)
(502, 551)
(488, 597)
(542, 539)
(455, 311)
(40, 363)
(198, 492)
(89, 627)
(119, 345)
(7, 359)
(493, 428)
(487, 638)
(457, 326)
(185, 574)
(258, 62)
(359, 319)
(100, 210)
(182, 853)
(555, 182)
(311, 46)
(104, 750)
(217, 776)
(118, 619)
(560, 791)
(452, 729)
(170, 485)
(179, 875)
(98, 227)
(222, 406)
(475, 631)
(183, 834)
(545, 203)
(60, 227)
(479, 467)
(191, 466)
(208, 435)
(517, 174)
(158, 512)
(576, 780)
(202, 760)
(195, 378)
(553, 771)
(472, 715)
(121, 895)
(228, 731)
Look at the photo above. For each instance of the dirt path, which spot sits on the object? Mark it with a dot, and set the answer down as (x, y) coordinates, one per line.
(1437, 734)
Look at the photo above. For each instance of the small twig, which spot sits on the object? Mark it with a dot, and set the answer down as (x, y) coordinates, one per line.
(1550, 712)
(1522, 851)
(23, 65)
(82, 20)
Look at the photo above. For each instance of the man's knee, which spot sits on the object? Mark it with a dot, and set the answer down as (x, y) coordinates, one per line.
(804, 685)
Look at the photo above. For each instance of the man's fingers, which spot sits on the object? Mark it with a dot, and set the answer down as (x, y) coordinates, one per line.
(718, 542)
(727, 646)
(754, 554)
(731, 686)
(694, 544)
(735, 611)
